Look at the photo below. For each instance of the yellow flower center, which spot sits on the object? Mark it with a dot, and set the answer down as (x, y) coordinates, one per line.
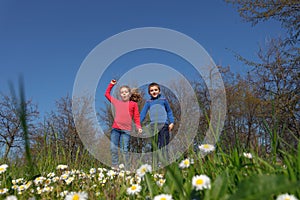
(163, 198)
(75, 197)
(287, 198)
(133, 187)
(199, 182)
(206, 146)
(186, 162)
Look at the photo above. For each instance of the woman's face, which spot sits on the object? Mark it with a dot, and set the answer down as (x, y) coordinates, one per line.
(125, 94)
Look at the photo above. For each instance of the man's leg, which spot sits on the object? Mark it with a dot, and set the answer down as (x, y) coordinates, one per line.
(163, 141)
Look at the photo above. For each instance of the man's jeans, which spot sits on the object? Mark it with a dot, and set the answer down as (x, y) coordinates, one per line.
(159, 140)
(123, 137)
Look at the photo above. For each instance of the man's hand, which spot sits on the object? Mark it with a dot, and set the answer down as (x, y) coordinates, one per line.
(171, 126)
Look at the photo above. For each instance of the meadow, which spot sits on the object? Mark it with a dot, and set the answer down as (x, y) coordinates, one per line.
(217, 176)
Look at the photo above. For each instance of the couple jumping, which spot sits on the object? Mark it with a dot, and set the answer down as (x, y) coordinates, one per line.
(126, 109)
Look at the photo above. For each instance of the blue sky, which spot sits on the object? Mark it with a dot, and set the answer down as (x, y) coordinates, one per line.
(47, 41)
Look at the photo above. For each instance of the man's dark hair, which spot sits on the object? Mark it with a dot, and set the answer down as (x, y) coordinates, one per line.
(153, 84)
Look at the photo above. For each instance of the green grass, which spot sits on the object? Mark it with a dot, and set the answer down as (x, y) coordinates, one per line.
(232, 175)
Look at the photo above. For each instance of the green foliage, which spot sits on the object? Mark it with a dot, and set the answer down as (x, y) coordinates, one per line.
(263, 187)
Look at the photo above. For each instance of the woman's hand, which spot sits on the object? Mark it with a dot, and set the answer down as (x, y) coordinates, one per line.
(140, 131)
(113, 81)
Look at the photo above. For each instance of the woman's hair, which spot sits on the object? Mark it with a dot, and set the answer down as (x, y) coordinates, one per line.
(134, 93)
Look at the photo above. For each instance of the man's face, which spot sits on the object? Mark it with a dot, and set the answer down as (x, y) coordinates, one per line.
(154, 91)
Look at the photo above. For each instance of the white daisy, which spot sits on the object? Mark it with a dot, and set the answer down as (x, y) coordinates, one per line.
(14, 187)
(63, 193)
(62, 167)
(143, 169)
(93, 170)
(39, 180)
(28, 184)
(201, 182)
(134, 189)
(21, 188)
(158, 176)
(3, 168)
(64, 176)
(286, 197)
(69, 180)
(77, 195)
(11, 197)
(207, 148)
(121, 174)
(51, 175)
(248, 155)
(111, 174)
(185, 163)
(161, 182)
(3, 191)
(121, 166)
(47, 189)
(163, 197)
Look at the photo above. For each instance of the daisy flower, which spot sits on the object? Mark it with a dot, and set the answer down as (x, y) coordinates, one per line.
(11, 197)
(121, 174)
(143, 169)
(201, 182)
(3, 168)
(207, 148)
(64, 176)
(160, 182)
(77, 195)
(286, 197)
(47, 189)
(111, 174)
(121, 166)
(163, 197)
(69, 180)
(134, 189)
(63, 193)
(19, 180)
(39, 180)
(62, 167)
(185, 163)
(51, 175)
(93, 170)
(3, 191)
(248, 155)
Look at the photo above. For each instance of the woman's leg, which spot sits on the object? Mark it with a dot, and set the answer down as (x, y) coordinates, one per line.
(124, 146)
(114, 143)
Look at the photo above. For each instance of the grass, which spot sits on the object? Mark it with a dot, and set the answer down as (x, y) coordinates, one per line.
(216, 176)
(232, 176)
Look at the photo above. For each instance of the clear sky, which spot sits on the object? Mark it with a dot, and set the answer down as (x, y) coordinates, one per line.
(47, 41)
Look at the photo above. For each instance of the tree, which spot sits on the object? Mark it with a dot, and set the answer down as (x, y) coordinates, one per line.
(276, 75)
(287, 12)
(61, 127)
(11, 136)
